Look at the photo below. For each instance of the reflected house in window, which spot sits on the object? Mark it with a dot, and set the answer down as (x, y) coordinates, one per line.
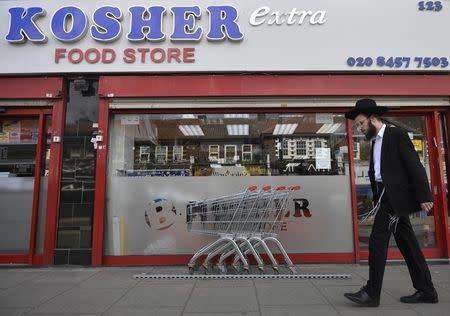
(237, 144)
(300, 148)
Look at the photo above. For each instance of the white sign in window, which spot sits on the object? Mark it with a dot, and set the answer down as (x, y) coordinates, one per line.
(323, 158)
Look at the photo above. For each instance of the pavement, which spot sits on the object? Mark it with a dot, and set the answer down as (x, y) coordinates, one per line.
(72, 290)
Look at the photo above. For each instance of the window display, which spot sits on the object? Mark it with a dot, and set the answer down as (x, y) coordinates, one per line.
(159, 163)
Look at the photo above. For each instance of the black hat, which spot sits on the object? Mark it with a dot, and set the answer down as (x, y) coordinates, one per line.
(365, 106)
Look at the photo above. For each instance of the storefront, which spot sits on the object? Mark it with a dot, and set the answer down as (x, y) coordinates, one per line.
(100, 159)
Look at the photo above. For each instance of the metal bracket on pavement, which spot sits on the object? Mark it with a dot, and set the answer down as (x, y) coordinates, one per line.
(241, 276)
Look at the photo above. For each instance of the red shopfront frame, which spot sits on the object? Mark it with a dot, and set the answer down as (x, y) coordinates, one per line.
(173, 86)
(39, 88)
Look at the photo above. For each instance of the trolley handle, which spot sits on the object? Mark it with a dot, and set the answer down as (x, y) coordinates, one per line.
(267, 188)
(252, 188)
(281, 188)
(295, 188)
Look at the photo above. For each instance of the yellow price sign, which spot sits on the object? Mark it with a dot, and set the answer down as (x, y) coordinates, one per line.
(417, 144)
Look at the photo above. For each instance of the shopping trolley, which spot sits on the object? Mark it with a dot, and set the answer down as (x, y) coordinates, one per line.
(244, 223)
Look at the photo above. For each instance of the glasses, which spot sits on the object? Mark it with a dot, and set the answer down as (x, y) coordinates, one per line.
(359, 124)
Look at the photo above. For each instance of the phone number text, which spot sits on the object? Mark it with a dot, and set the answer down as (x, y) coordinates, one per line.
(398, 62)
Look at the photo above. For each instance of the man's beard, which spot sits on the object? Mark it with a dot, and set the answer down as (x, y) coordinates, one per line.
(371, 132)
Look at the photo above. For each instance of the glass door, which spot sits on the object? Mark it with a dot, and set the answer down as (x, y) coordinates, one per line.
(423, 224)
(444, 118)
(24, 165)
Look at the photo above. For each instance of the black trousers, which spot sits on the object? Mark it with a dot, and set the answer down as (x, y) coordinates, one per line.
(407, 244)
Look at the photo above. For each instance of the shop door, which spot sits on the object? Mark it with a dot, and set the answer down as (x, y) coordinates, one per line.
(24, 169)
(427, 228)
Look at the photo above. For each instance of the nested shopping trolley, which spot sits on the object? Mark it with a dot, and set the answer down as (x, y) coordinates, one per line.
(245, 223)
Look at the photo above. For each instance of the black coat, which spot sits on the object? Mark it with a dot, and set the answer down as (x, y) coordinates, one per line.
(404, 177)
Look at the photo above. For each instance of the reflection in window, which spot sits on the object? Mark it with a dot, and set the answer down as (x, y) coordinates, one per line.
(161, 154)
(262, 144)
(246, 152)
(214, 154)
(177, 153)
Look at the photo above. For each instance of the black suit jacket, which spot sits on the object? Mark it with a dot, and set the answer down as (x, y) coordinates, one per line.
(404, 177)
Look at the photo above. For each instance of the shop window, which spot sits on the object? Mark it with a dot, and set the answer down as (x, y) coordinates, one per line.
(201, 156)
(264, 144)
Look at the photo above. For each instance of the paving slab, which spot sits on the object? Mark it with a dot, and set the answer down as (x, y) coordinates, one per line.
(378, 312)
(159, 295)
(222, 314)
(225, 283)
(110, 279)
(26, 295)
(11, 278)
(439, 309)
(306, 310)
(14, 311)
(222, 300)
(80, 301)
(60, 276)
(143, 311)
(292, 294)
(335, 297)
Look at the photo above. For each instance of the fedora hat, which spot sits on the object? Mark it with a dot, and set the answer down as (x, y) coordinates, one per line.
(365, 106)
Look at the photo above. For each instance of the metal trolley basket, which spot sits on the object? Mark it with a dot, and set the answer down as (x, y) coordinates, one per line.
(244, 222)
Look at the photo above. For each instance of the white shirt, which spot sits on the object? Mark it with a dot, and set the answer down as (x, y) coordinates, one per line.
(377, 153)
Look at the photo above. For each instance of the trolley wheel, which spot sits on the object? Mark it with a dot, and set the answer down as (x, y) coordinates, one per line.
(191, 270)
(276, 270)
(293, 270)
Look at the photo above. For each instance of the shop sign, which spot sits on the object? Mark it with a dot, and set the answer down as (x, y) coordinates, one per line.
(44, 36)
(145, 24)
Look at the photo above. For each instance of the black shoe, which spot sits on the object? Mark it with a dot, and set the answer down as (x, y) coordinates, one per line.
(421, 297)
(362, 298)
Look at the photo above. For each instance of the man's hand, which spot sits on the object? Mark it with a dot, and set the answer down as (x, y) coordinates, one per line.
(427, 206)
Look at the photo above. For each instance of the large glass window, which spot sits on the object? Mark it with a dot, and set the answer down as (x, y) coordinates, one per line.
(198, 144)
(158, 163)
